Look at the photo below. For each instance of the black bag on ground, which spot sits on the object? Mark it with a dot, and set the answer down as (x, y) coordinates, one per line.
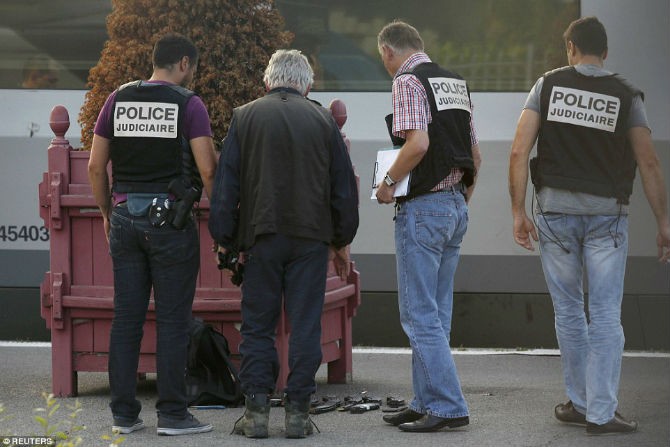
(211, 377)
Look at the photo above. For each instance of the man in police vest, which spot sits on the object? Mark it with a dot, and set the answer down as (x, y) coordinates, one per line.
(591, 131)
(158, 137)
(432, 121)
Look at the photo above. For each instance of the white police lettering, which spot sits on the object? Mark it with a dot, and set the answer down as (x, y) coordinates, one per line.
(145, 119)
(583, 108)
(450, 93)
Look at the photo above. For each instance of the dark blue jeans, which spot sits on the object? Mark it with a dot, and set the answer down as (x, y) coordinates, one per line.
(296, 269)
(167, 260)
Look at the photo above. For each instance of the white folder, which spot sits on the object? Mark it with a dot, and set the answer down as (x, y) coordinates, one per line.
(385, 159)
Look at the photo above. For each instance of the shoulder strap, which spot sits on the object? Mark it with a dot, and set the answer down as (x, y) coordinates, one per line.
(130, 84)
(196, 332)
(182, 90)
(225, 354)
(558, 70)
(634, 90)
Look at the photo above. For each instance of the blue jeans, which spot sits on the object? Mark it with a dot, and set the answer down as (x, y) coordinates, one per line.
(167, 260)
(428, 234)
(279, 266)
(591, 350)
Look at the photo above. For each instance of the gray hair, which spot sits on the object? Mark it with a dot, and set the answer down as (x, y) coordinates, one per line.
(400, 37)
(289, 68)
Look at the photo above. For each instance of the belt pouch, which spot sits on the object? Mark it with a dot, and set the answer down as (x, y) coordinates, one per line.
(140, 202)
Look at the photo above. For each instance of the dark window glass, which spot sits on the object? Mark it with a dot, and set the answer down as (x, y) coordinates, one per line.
(497, 45)
(50, 44)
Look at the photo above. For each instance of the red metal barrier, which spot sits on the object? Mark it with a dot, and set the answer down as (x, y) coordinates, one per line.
(77, 292)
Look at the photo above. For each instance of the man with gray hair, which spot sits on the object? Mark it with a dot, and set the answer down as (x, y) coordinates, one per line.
(284, 192)
(432, 121)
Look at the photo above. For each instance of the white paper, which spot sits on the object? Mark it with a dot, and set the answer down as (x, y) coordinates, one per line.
(385, 159)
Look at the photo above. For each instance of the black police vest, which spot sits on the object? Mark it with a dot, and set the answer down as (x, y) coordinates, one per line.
(450, 143)
(582, 143)
(148, 149)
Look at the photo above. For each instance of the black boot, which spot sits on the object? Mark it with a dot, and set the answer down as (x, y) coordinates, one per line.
(255, 420)
(298, 424)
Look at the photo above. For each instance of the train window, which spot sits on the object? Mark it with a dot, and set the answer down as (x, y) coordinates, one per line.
(50, 44)
(495, 45)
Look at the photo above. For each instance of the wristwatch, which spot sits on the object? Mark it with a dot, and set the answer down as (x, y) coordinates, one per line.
(388, 180)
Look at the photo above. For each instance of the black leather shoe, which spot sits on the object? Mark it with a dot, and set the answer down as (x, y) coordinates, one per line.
(428, 423)
(568, 413)
(407, 415)
(615, 426)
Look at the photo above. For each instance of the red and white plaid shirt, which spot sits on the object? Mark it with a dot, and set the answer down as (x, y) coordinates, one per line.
(411, 110)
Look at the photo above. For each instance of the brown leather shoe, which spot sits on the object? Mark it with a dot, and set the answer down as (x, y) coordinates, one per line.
(429, 423)
(617, 425)
(404, 416)
(568, 414)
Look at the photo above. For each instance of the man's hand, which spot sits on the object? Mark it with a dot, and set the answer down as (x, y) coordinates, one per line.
(523, 231)
(219, 249)
(340, 258)
(106, 226)
(99, 180)
(654, 185)
(385, 193)
(524, 139)
(663, 243)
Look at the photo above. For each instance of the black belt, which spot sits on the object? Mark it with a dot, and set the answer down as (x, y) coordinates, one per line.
(458, 187)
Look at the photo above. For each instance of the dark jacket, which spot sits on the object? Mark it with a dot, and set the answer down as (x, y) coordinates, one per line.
(284, 169)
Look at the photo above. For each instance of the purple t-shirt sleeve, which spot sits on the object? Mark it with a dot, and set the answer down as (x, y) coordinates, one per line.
(103, 126)
(196, 122)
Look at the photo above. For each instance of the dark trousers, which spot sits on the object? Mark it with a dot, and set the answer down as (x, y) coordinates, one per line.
(167, 260)
(294, 268)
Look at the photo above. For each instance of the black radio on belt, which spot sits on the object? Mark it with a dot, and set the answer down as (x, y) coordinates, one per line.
(158, 212)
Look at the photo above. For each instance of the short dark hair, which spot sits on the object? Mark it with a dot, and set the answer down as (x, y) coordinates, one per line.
(171, 48)
(588, 34)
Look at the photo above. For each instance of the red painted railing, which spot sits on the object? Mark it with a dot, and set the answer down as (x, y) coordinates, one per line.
(77, 292)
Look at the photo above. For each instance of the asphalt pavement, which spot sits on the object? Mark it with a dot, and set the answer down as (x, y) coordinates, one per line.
(511, 396)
